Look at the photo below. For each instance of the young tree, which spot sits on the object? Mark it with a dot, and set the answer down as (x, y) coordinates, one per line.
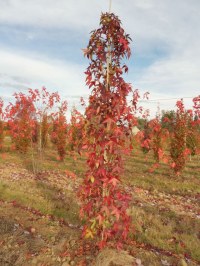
(145, 138)
(21, 120)
(1, 123)
(167, 119)
(44, 103)
(45, 126)
(196, 107)
(109, 124)
(59, 133)
(76, 134)
(28, 120)
(193, 136)
(178, 148)
(157, 139)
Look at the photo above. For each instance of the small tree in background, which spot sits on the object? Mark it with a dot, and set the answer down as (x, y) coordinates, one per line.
(145, 138)
(196, 107)
(1, 123)
(193, 137)
(44, 103)
(178, 148)
(21, 120)
(167, 120)
(59, 132)
(45, 126)
(156, 139)
(28, 120)
(76, 134)
(35, 132)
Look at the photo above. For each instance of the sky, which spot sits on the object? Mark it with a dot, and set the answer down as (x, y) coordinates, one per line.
(41, 42)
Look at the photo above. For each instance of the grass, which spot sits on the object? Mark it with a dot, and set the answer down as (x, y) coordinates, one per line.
(34, 193)
(167, 231)
(162, 179)
(159, 212)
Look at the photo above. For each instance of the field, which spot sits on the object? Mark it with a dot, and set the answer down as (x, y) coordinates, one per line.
(39, 213)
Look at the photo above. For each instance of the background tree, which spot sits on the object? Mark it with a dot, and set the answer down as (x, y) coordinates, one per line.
(193, 137)
(141, 123)
(145, 137)
(76, 134)
(178, 148)
(44, 103)
(1, 123)
(158, 135)
(167, 119)
(45, 126)
(59, 133)
(21, 119)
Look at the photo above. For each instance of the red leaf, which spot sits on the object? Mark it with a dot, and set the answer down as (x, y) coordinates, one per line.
(114, 181)
(116, 212)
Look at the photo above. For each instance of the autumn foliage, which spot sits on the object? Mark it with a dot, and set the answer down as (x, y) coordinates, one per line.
(44, 103)
(59, 132)
(45, 125)
(145, 138)
(1, 123)
(193, 139)
(109, 123)
(30, 119)
(76, 133)
(21, 121)
(178, 148)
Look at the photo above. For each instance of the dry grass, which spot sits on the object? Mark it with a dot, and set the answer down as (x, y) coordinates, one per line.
(164, 207)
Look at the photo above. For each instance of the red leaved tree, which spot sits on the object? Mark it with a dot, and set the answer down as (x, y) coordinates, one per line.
(196, 106)
(59, 132)
(76, 134)
(44, 103)
(1, 123)
(145, 138)
(21, 121)
(109, 124)
(158, 138)
(193, 137)
(178, 149)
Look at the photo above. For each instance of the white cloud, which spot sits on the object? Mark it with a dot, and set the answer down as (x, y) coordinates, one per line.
(175, 76)
(19, 72)
(67, 77)
(171, 78)
(172, 22)
(49, 13)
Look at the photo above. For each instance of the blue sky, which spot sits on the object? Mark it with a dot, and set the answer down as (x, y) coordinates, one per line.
(41, 42)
